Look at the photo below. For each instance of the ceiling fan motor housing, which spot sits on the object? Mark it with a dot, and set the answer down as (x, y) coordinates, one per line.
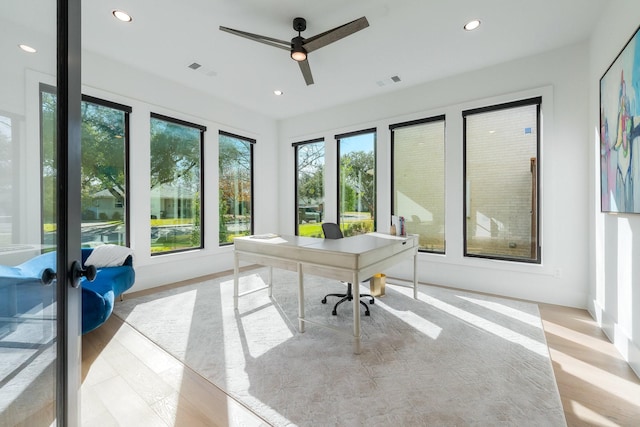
(299, 24)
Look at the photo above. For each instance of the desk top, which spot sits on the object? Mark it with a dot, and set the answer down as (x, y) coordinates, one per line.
(350, 252)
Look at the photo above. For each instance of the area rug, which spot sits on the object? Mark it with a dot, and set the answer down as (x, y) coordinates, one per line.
(450, 358)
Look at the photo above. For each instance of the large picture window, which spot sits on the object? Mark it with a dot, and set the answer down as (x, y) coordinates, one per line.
(176, 185)
(309, 170)
(357, 182)
(236, 187)
(418, 179)
(104, 185)
(501, 149)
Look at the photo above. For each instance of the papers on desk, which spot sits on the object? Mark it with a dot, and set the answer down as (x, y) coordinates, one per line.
(264, 236)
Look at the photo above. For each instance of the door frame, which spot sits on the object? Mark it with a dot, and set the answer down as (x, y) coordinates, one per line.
(69, 301)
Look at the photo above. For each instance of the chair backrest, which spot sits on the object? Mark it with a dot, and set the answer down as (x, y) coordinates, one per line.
(331, 230)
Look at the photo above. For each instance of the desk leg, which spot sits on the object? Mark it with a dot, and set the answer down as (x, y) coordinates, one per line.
(300, 298)
(415, 276)
(236, 272)
(270, 284)
(356, 312)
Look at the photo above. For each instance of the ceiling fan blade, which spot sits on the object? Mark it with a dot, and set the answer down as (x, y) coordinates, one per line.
(282, 44)
(306, 71)
(323, 39)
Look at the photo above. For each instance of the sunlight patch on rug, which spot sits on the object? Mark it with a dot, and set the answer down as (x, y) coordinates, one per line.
(429, 329)
(489, 326)
(506, 310)
(263, 327)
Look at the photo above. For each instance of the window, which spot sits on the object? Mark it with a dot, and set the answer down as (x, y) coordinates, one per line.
(501, 149)
(236, 187)
(309, 172)
(8, 181)
(417, 150)
(176, 185)
(104, 185)
(357, 182)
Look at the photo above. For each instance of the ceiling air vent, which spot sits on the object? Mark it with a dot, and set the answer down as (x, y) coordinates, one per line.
(388, 81)
(207, 71)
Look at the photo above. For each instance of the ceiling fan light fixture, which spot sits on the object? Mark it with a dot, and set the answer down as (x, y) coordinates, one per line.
(298, 53)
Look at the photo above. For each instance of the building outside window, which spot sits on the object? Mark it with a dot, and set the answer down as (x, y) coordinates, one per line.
(309, 170)
(418, 179)
(176, 185)
(501, 170)
(235, 187)
(104, 185)
(357, 182)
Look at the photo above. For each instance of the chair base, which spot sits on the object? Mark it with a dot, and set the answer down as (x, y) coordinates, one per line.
(349, 297)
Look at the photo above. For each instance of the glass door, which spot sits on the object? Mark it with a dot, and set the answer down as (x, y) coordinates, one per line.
(39, 310)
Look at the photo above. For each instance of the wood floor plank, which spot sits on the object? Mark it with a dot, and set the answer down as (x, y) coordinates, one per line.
(596, 385)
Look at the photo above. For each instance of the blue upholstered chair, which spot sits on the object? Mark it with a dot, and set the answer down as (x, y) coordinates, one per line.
(97, 297)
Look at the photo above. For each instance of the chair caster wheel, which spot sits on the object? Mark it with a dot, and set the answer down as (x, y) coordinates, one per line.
(335, 313)
(366, 313)
(324, 300)
(372, 301)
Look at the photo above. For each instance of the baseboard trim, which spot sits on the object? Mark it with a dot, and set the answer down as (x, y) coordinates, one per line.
(622, 342)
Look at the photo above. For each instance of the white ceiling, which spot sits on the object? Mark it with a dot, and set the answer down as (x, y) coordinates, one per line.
(417, 40)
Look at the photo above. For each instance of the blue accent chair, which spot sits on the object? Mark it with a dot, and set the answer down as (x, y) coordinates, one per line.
(98, 296)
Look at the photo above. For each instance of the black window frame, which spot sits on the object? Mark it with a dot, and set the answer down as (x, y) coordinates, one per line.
(537, 101)
(337, 138)
(296, 146)
(202, 130)
(251, 142)
(43, 87)
(410, 123)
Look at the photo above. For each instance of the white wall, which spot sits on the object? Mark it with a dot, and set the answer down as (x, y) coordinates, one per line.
(560, 77)
(145, 93)
(614, 279)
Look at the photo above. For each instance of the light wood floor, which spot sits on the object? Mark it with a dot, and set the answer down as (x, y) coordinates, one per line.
(129, 381)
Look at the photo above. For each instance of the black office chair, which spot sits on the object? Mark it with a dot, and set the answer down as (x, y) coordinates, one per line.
(332, 230)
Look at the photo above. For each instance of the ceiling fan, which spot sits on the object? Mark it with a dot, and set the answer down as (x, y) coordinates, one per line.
(299, 47)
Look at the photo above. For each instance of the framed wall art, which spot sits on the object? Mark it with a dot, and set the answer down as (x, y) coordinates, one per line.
(620, 131)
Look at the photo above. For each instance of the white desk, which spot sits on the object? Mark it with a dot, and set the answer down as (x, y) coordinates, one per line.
(349, 259)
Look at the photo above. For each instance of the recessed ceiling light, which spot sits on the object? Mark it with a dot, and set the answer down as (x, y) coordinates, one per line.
(27, 48)
(122, 16)
(278, 92)
(472, 25)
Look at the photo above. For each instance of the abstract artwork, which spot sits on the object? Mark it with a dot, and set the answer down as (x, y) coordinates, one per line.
(620, 131)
